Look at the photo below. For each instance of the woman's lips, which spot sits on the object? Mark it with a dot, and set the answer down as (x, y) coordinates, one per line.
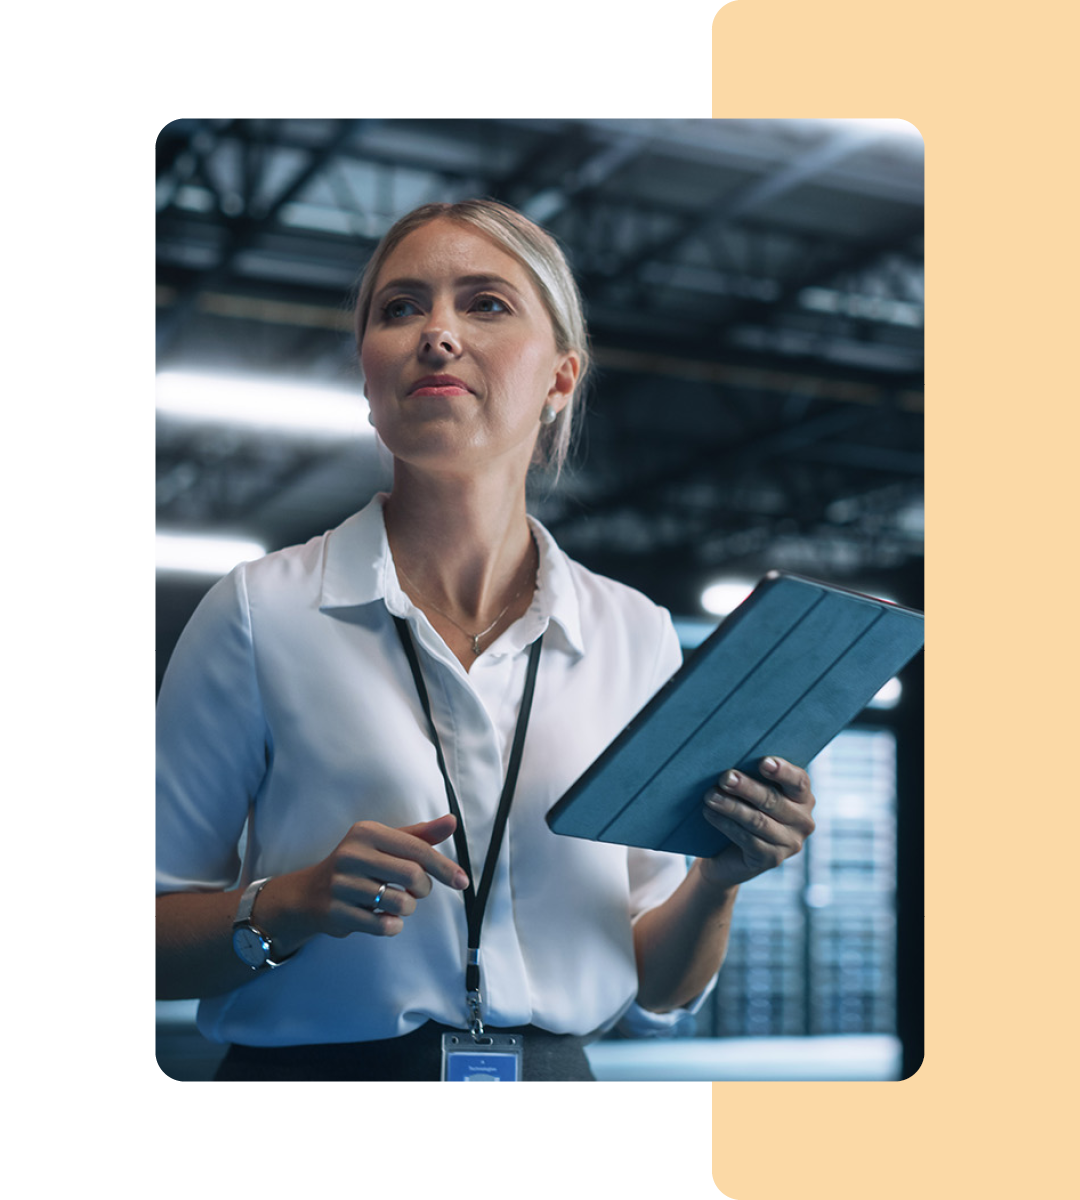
(439, 385)
(439, 390)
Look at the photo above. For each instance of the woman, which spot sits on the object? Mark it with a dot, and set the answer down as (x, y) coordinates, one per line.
(346, 693)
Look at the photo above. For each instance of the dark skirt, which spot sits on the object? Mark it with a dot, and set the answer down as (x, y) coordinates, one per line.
(415, 1057)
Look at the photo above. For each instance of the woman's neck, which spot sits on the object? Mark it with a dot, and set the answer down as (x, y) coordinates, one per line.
(461, 547)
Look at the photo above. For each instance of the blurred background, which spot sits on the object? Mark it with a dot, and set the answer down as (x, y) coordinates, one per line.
(754, 291)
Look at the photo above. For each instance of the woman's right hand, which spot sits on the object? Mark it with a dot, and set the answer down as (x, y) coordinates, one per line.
(336, 896)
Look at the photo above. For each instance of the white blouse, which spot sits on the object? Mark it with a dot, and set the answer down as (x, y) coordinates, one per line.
(288, 707)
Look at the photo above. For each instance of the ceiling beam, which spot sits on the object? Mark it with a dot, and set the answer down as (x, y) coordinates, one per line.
(243, 232)
(771, 186)
(717, 457)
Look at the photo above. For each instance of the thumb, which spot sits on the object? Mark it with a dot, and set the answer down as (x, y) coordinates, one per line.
(433, 832)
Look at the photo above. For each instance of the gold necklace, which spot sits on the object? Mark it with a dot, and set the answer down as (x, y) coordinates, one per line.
(475, 637)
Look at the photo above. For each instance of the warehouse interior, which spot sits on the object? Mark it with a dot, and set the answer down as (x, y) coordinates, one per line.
(755, 298)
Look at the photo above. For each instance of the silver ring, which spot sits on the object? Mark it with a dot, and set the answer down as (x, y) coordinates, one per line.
(378, 897)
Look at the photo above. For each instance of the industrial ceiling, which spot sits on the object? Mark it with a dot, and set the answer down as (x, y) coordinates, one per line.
(755, 297)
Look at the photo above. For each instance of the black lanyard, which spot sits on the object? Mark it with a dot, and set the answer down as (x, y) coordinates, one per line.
(476, 900)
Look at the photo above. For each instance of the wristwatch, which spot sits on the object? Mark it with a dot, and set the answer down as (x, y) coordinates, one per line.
(252, 946)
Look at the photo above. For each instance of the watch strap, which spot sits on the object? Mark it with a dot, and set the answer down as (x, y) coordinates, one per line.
(247, 901)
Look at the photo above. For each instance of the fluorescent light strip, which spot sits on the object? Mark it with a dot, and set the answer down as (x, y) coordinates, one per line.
(875, 308)
(268, 405)
(198, 554)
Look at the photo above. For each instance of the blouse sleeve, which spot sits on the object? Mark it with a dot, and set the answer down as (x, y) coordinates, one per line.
(212, 744)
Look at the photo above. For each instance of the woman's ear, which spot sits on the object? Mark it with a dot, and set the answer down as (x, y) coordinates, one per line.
(566, 376)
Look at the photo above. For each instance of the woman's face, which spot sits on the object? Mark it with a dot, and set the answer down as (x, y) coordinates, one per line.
(459, 353)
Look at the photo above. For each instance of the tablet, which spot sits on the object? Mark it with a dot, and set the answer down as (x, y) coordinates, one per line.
(782, 675)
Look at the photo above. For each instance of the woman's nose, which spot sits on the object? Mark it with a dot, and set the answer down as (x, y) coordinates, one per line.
(438, 338)
(439, 341)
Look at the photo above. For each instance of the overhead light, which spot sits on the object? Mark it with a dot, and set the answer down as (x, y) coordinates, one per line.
(890, 126)
(199, 554)
(544, 205)
(887, 696)
(872, 308)
(725, 596)
(268, 405)
(896, 126)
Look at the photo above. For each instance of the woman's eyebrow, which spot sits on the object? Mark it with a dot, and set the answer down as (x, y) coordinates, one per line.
(486, 281)
(409, 284)
(402, 284)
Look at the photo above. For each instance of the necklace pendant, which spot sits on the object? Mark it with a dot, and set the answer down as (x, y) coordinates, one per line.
(476, 643)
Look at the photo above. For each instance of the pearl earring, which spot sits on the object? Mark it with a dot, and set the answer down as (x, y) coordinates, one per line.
(548, 415)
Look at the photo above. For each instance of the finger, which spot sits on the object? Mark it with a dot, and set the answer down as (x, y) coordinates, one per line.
(397, 856)
(351, 918)
(752, 822)
(792, 780)
(764, 809)
(785, 791)
(353, 900)
(361, 905)
(765, 797)
(378, 896)
(432, 832)
(758, 853)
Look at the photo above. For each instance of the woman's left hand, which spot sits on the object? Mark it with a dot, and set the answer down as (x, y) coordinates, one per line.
(766, 822)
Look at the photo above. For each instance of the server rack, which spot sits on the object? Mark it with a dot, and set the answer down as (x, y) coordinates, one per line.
(813, 947)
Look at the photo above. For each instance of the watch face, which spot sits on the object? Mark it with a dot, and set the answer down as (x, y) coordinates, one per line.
(251, 946)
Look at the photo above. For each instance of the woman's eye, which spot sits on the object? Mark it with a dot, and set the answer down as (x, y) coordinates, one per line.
(490, 304)
(394, 309)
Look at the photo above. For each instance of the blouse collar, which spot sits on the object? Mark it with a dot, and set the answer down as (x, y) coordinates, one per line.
(358, 569)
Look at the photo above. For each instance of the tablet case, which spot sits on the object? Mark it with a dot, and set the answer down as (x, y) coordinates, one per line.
(783, 675)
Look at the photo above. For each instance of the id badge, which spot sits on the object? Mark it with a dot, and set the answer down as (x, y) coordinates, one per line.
(492, 1058)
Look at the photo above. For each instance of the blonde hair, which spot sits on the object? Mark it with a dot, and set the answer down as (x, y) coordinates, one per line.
(540, 254)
